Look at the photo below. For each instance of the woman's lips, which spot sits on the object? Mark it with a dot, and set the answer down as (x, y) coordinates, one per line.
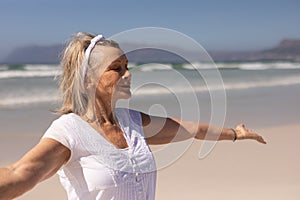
(125, 86)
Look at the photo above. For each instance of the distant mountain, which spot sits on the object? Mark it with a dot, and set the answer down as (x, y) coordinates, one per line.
(285, 50)
(34, 55)
(51, 55)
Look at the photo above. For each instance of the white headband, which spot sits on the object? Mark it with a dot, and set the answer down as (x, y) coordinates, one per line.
(87, 54)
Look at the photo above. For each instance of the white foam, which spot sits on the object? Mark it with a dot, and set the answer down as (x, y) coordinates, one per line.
(227, 86)
(267, 83)
(198, 65)
(27, 74)
(54, 70)
(29, 71)
(286, 65)
(51, 96)
(243, 66)
(23, 100)
(40, 95)
(264, 66)
(254, 66)
(41, 67)
(155, 66)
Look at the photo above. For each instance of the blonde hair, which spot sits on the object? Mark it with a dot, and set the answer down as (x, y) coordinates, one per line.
(75, 97)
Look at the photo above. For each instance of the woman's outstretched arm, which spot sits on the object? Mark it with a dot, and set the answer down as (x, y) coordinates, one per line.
(40, 163)
(160, 130)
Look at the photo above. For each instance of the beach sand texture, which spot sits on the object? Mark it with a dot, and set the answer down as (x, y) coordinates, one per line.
(240, 170)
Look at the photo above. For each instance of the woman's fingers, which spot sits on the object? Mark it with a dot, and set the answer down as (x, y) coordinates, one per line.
(261, 140)
(257, 137)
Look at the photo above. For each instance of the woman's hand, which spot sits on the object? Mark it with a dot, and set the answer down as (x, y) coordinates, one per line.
(243, 133)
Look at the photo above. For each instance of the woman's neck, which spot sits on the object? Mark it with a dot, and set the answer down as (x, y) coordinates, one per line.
(102, 112)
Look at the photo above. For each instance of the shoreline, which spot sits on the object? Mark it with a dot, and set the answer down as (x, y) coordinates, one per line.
(257, 107)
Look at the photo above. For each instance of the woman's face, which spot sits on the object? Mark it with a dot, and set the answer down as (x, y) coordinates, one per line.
(115, 78)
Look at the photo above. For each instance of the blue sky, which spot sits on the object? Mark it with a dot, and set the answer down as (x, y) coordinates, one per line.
(215, 24)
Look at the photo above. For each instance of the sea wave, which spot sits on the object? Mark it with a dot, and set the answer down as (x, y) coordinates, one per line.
(14, 101)
(41, 67)
(49, 96)
(218, 66)
(244, 65)
(155, 67)
(226, 86)
(26, 71)
(27, 74)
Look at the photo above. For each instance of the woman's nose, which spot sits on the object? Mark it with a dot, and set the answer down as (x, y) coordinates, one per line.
(127, 75)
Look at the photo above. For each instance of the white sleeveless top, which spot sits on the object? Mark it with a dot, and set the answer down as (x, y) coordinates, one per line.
(97, 170)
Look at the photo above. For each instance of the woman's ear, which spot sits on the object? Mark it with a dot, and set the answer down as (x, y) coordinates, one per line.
(90, 85)
(92, 79)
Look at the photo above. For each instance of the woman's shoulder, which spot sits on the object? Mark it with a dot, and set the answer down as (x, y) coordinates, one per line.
(66, 117)
(65, 121)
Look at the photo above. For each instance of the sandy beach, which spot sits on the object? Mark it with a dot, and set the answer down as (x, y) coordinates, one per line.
(240, 170)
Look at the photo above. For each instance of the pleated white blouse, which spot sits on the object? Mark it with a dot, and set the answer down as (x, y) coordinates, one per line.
(97, 170)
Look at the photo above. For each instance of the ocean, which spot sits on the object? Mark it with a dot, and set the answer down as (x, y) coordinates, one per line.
(32, 84)
(194, 91)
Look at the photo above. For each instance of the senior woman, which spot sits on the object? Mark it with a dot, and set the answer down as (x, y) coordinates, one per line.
(99, 151)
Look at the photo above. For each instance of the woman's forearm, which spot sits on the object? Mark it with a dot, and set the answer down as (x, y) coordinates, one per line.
(214, 133)
(159, 130)
(5, 183)
(240, 132)
(40, 163)
(11, 184)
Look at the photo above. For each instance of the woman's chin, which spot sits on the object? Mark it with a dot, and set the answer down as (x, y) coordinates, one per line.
(123, 95)
(126, 96)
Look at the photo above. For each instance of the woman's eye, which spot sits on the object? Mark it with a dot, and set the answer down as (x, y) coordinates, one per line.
(117, 69)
